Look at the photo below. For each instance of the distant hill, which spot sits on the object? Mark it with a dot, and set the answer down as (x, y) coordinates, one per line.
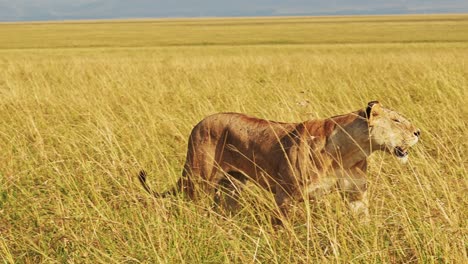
(96, 9)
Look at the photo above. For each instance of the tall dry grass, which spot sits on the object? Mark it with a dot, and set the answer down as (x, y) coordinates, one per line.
(77, 122)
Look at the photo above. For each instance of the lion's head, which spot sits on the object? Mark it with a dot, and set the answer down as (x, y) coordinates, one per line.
(390, 131)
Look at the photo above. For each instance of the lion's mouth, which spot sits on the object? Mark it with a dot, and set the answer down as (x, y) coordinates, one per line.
(400, 152)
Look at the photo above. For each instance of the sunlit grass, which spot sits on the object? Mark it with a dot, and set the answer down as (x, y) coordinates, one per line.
(84, 106)
(241, 31)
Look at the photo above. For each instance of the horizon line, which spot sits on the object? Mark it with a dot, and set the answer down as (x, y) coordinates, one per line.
(181, 18)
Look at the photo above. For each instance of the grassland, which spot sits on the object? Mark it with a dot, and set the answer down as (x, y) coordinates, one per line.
(85, 105)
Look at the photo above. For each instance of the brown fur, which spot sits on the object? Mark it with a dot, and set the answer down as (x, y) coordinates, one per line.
(292, 160)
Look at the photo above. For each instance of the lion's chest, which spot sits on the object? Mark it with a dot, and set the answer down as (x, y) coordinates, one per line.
(345, 179)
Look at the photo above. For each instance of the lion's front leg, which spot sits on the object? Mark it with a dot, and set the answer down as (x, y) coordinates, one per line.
(354, 188)
(355, 192)
(358, 204)
(283, 201)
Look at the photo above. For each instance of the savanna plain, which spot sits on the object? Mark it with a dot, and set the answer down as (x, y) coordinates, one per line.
(85, 105)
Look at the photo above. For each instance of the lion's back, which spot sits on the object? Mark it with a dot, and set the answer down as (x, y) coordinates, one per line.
(240, 130)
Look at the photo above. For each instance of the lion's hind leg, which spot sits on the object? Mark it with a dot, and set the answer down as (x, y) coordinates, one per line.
(228, 190)
(201, 175)
(185, 186)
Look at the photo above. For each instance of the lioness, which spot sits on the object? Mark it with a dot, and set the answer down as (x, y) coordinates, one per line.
(292, 160)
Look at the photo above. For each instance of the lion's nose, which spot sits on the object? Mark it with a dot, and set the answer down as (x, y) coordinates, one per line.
(417, 133)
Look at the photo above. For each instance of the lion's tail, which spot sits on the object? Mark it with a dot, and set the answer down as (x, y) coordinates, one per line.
(142, 177)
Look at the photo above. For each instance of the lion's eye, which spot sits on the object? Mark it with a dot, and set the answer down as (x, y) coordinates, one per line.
(396, 120)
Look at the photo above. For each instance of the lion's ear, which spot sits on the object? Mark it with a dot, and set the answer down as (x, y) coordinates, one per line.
(373, 109)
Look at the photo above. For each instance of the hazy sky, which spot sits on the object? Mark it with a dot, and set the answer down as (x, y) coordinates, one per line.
(17, 10)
